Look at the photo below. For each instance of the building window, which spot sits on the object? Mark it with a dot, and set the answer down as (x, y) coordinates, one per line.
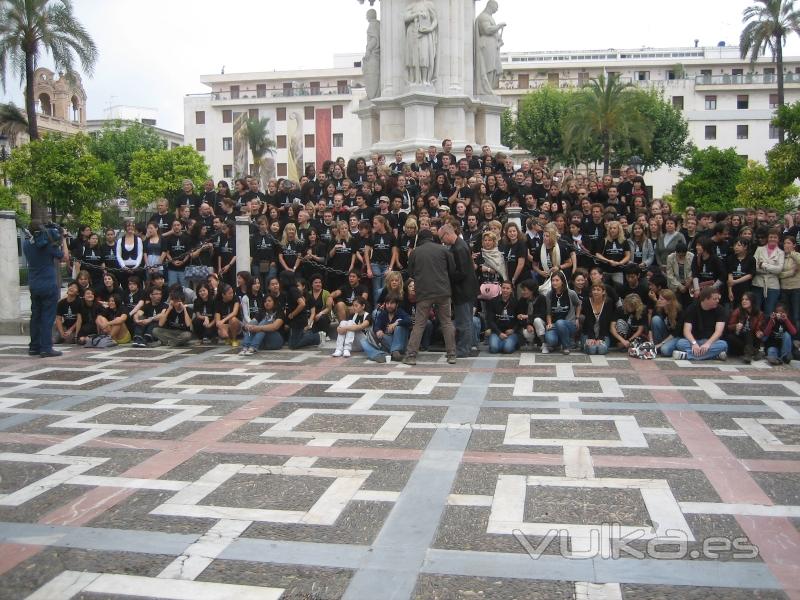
(338, 111)
(282, 170)
(773, 132)
(342, 87)
(737, 72)
(711, 132)
(227, 116)
(227, 171)
(309, 140)
(523, 81)
(315, 88)
(338, 140)
(671, 75)
(308, 113)
(227, 143)
(253, 114)
(677, 102)
(261, 90)
(769, 74)
(773, 100)
(742, 102)
(200, 144)
(280, 141)
(234, 92)
(742, 132)
(642, 75)
(711, 103)
(280, 113)
(199, 117)
(288, 88)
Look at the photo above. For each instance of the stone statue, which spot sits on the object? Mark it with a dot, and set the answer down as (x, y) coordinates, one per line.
(488, 41)
(371, 65)
(422, 39)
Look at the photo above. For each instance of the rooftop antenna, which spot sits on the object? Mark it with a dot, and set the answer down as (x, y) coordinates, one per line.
(696, 42)
(223, 70)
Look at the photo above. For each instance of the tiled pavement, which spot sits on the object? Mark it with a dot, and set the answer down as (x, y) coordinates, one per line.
(194, 474)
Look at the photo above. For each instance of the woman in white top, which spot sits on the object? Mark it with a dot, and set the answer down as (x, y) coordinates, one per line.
(769, 264)
(130, 253)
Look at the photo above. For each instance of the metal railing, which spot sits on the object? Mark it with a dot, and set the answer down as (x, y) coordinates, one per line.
(746, 79)
(284, 92)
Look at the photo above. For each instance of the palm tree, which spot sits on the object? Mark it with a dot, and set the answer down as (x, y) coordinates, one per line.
(256, 133)
(12, 122)
(605, 110)
(769, 23)
(31, 28)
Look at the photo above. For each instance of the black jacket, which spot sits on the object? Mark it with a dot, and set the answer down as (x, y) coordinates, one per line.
(464, 280)
(430, 266)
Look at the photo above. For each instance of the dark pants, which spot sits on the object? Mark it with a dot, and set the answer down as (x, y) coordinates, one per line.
(43, 317)
(300, 338)
(322, 324)
(465, 332)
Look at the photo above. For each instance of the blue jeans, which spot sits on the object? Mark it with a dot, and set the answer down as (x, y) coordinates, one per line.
(660, 332)
(785, 351)
(791, 298)
(465, 330)
(600, 349)
(300, 338)
(390, 342)
(713, 352)
(560, 335)
(767, 304)
(263, 340)
(378, 276)
(43, 317)
(263, 276)
(506, 346)
(174, 277)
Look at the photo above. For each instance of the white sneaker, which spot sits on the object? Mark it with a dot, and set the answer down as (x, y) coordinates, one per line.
(243, 352)
(678, 355)
(545, 349)
(346, 353)
(722, 355)
(322, 338)
(337, 353)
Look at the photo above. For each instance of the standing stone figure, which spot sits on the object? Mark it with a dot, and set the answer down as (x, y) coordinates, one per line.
(488, 41)
(372, 58)
(421, 42)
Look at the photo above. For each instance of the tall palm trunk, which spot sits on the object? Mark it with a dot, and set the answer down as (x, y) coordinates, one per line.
(606, 152)
(781, 94)
(38, 210)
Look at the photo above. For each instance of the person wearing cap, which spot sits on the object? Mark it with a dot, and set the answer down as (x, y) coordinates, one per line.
(431, 266)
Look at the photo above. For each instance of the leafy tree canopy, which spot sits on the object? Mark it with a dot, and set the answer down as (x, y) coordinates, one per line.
(758, 188)
(119, 140)
(710, 184)
(159, 173)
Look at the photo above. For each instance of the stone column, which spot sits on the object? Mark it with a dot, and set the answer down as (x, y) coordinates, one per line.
(243, 244)
(9, 267)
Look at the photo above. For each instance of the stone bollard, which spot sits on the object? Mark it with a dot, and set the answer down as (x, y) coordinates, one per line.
(9, 267)
(243, 244)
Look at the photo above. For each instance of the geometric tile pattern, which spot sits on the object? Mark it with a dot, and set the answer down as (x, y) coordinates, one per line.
(194, 473)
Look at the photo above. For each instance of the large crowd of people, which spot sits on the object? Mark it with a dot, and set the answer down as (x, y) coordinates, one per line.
(535, 259)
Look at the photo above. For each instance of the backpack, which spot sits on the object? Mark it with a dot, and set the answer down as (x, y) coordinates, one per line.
(642, 349)
(100, 341)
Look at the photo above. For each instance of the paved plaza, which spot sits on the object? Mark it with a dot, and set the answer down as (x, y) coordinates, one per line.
(195, 474)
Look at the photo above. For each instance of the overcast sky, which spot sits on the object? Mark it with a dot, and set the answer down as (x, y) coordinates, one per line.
(152, 52)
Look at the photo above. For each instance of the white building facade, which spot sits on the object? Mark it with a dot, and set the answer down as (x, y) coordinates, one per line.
(726, 101)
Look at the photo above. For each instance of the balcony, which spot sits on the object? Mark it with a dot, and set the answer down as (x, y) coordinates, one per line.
(294, 90)
(515, 86)
(749, 79)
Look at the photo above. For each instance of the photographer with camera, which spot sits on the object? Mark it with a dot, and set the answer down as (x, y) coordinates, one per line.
(47, 244)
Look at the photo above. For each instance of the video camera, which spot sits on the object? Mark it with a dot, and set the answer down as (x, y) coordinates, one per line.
(48, 234)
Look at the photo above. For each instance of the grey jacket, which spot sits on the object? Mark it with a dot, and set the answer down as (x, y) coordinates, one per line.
(431, 266)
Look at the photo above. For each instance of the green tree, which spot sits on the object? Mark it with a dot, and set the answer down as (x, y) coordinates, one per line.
(12, 122)
(758, 188)
(159, 173)
(670, 146)
(784, 158)
(10, 201)
(768, 24)
(606, 110)
(508, 129)
(710, 184)
(119, 140)
(256, 133)
(61, 173)
(32, 28)
(539, 122)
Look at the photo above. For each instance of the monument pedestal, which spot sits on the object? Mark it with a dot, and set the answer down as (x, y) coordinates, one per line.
(409, 115)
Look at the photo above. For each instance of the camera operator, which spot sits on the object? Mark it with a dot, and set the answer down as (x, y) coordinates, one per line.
(47, 244)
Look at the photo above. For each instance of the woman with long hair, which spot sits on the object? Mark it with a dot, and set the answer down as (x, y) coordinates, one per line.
(641, 248)
(291, 249)
(598, 313)
(514, 251)
(615, 253)
(745, 328)
(554, 255)
(666, 326)
(632, 322)
(563, 311)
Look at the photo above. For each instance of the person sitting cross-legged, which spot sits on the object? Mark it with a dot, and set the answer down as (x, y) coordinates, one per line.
(704, 324)
(348, 331)
(778, 336)
(391, 329)
(175, 323)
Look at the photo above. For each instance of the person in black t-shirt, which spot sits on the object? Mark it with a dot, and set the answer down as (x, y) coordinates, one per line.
(226, 315)
(146, 319)
(89, 311)
(177, 247)
(704, 325)
(741, 268)
(203, 320)
(631, 322)
(341, 300)
(68, 316)
(111, 320)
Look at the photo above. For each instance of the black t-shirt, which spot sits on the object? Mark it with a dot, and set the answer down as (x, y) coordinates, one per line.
(109, 255)
(407, 244)
(150, 310)
(293, 296)
(633, 321)
(350, 293)
(163, 222)
(176, 320)
(703, 321)
(225, 250)
(708, 270)
(512, 253)
(92, 256)
(502, 314)
(741, 267)
(559, 305)
(225, 308)
(381, 244)
(613, 250)
(263, 247)
(291, 252)
(177, 246)
(256, 306)
(203, 308)
(131, 299)
(342, 255)
(69, 311)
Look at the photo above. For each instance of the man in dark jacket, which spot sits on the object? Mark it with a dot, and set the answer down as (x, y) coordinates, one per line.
(464, 283)
(431, 266)
(47, 244)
